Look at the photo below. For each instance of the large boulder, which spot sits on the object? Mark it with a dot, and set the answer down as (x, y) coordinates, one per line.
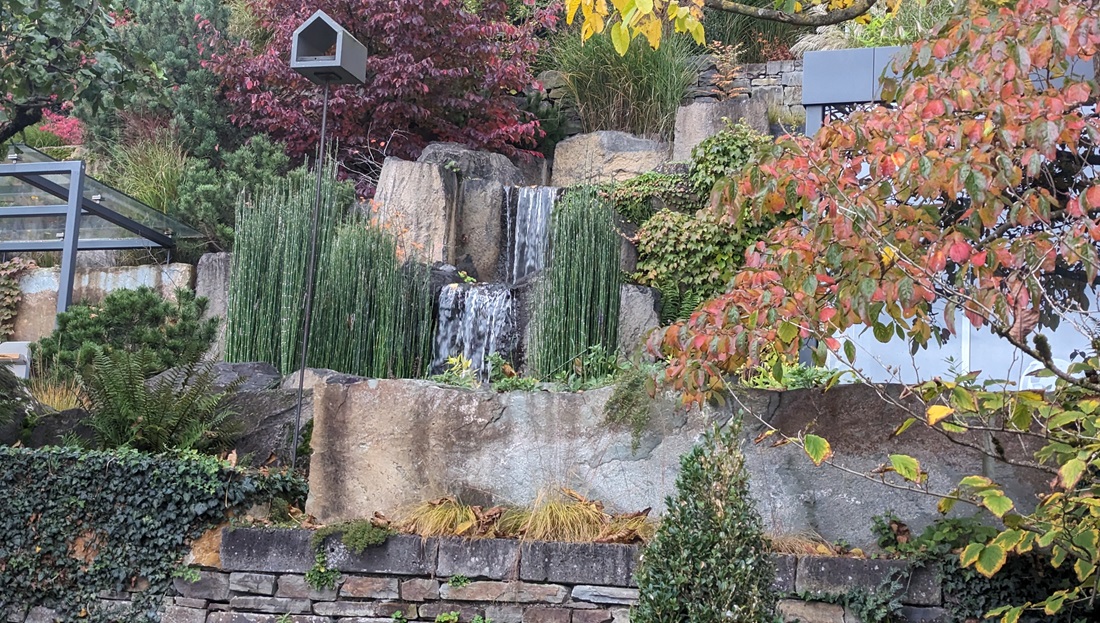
(418, 199)
(701, 120)
(471, 164)
(605, 156)
(212, 282)
(637, 318)
(250, 376)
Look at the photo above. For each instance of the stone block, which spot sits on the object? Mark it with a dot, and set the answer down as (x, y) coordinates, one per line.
(785, 566)
(620, 615)
(764, 82)
(471, 164)
(637, 318)
(212, 282)
(494, 559)
(370, 588)
(605, 156)
(210, 585)
(346, 609)
(16, 615)
(504, 613)
(419, 590)
(605, 594)
(579, 563)
(547, 615)
(794, 610)
(399, 555)
(206, 550)
(178, 614)
(551, 80)
(773, 68)
(254, 617)
(521, 592)
(700, 121)
(255, 583)
(791, 79)
(466, 612)
(188, 602)
(277, 605)
(419, 199)
(266, 551)
(40, 614)
(592, 616)
(295, 587)
(914, 614)
(822, 575)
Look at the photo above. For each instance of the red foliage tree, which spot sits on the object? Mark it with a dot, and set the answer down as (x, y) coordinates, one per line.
(436, 72)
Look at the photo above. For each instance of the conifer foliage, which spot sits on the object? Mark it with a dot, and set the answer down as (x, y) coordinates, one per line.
(709, 560)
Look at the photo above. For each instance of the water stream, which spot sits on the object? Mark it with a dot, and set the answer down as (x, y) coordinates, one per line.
(531, 230)
(474, 320)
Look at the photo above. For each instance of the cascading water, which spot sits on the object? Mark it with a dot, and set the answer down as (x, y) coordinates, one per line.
(474, 320)
(530, 230)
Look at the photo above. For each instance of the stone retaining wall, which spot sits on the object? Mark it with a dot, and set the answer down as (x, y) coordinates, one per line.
(261, 579)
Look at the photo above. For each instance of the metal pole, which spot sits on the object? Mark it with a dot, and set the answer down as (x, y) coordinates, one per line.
(309, 281)
(71, 242)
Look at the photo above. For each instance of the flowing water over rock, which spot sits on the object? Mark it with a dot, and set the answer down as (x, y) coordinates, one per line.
(530, 229)
(474, 320)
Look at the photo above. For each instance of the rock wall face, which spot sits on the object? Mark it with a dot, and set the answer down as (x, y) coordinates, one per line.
(605, 156)
(212, 282)
(35, 314)
(381, 445)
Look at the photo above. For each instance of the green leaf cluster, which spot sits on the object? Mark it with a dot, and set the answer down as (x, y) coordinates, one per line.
(76, 524)
(179, 410)
(709, 560)
(174, 332)
(723, 156)
(631, 399)
(639, 198)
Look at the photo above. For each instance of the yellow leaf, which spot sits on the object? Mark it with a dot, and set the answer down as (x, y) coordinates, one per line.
(645, 7)
(673, 9)
(817, 448)
(696, 29)
(620, 38)
(937, 413)
(571, 7)
(970, 555)
(650, 27)
(1071, 472)
(990, 560)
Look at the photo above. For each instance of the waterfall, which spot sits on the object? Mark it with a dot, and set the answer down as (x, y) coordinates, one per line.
(531, 230)
(474, 320)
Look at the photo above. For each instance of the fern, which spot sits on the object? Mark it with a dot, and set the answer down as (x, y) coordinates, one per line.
(178, 411)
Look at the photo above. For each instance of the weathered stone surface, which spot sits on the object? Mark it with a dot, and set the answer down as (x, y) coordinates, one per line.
(370, 588)
(794, 610)
(267, 419)
(520, 592)
(592, 616)
(547, 615)
(255, 583)
(574, 563)
(604, 157)
(699, 121)
(605, 594)
(637, 317)
(346, 609)
(39, 614)
(504, 613)
(620, 615)
(495, 559)
(277, 605)
(466, 612)
(206, 550)
(479, 243)
(212, 282)
(34, 315)
(210, 585)
(252, 617)
(399, 555)
(823, 575)
(551, 79)
(188, 602)
(472, 164)
(177, 614)
(270, 551)
(913, 614)
(425, 437)
(419, 199)
(313, 377)
(419, 590)
(785, 567)
(295, 587)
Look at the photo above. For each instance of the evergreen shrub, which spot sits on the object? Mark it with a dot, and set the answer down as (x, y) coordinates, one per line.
(709, 560)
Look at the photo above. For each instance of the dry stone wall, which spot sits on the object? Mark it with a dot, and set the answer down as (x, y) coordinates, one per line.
(261, 579)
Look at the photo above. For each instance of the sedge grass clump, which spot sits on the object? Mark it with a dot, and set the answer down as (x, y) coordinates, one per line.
(59, 394)
(445, 516)
(557, 516)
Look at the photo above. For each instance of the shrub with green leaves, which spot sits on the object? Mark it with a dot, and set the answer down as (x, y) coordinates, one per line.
(130, 320)
(639, 198)
(76, 524)
(723, 156)
(709, 560)
(179, 410)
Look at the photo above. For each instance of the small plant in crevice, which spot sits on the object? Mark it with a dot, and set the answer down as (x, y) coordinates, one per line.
(320, 576)
(480, 619)
(631, 399)
(459, 373)
(776, 371)
(458, 581)
(59, 394)
(447, 617)
(879, 605)
(399, 617)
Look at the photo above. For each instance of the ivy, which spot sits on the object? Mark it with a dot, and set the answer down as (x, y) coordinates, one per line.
(79, 523)
(724, 155)
(639, 198)
(10, 294)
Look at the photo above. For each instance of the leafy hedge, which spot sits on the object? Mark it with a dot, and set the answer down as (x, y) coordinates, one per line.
(77, 523)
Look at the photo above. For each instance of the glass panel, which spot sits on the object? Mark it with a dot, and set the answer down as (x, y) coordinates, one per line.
(110, 198)
(14, 192)
(32, 228)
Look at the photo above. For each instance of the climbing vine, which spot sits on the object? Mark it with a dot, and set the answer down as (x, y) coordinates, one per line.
(10, 294)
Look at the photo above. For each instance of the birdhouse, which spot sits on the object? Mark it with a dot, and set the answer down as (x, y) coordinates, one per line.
(324, 52)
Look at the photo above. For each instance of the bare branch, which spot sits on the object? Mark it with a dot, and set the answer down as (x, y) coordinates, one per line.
(795, 19)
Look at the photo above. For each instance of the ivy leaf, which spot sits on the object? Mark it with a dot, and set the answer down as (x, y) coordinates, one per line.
(817, 448)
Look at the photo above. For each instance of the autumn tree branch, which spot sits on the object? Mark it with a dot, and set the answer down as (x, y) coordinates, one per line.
(795, 19)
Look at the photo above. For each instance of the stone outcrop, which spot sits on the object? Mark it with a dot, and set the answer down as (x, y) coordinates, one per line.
(470, 164)
(212, 282)
(382, 444)
(416, 201)
(605, 156)
(699, 121)
(637, 318)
